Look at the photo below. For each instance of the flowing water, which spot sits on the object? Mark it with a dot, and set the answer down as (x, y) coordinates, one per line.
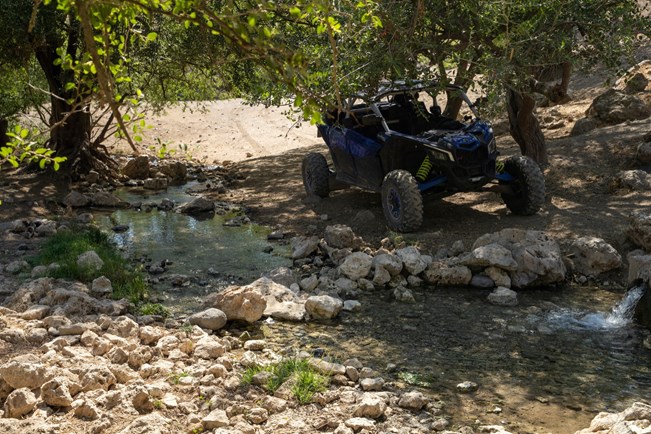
(559, 349)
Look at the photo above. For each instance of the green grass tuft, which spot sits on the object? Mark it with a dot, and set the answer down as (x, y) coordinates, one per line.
(153, 309)
(64, 248)
(304, 379)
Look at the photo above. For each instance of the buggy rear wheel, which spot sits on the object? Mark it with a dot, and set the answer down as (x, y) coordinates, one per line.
(316, 175)
(401, 201)
(528, 187)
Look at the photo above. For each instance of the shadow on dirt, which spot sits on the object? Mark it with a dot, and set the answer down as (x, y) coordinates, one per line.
(581, 196)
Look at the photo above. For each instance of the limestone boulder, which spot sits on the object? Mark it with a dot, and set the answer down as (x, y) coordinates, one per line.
(413, 261)
(282, 275)
(503, 297)
(176, 171)
(538, 257)
(75, 199)
(211, 319)
(198, 205)
(614, 107)
(639, 267)
(105, 199)
(356, 265)
(639, 229)
(370, 406)
(391, 263)
(323, 306)
(22, 372)
(341, 237)
(55, 393)
(630, 420)
(137, 168)
(302, 247)
(243, 303)
(491, 255)
(19, 403)
(636, 180)
(592, 256)
(447, 273)
(281, 302)
(91, 260)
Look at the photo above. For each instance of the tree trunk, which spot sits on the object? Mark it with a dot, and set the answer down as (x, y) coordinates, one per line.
(4, 125)
(454, 102)
(70, 124)
(524, 126)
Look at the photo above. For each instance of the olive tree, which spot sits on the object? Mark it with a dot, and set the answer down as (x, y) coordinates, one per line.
(112, 55)
(516, 47)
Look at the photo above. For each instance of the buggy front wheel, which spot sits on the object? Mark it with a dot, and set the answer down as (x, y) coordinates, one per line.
(315, 175)
(527, 193)
(401, 201)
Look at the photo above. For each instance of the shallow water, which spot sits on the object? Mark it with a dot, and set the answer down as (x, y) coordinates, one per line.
(559, 348)
(213, 254)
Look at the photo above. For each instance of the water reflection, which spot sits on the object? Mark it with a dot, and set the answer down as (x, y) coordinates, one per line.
(194, 245)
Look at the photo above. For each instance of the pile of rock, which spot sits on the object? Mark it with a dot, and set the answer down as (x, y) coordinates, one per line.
(635, 419)
(110, 374)
(511, 258)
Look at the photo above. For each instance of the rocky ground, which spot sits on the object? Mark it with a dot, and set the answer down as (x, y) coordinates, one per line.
(74, 361)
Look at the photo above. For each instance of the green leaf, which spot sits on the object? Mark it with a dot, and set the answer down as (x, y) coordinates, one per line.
(24, 133)
(151, 36)
(41, 164)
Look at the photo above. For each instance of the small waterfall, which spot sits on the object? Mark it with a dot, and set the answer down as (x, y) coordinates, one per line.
(620, 316)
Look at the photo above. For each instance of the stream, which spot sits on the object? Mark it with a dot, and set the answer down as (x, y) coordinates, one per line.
(573, 347)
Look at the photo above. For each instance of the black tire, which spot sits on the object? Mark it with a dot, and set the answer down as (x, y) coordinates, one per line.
(528, 186)
(401, 201)
(316, 175)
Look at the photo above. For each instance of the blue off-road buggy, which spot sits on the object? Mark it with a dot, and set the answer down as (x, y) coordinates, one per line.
(392, 143)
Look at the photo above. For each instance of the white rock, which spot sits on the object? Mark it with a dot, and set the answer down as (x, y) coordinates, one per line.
(323, 306)
(356, 265)
(309, 284)
(211, 319)
(340, 237)
(239, 303)
(352, 306)
(19, 403)
(360, 423)
(412, 260)
(150, 335)
(499, 276)
(503, 297)
(445, 273)
(390, 263)
(412, 401)
(538, 257)
(16, 267)
(303, 247)
(90, 259)
(25, 374)
(371, 384)
(55, 393)
(101, 286)
(381, 276)
(370, 406)
(592, 256)
(216, 419)
(491, 255)
(345, 284)
(209, 348)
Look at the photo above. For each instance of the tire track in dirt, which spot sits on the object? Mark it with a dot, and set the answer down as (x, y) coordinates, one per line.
(249, 139)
